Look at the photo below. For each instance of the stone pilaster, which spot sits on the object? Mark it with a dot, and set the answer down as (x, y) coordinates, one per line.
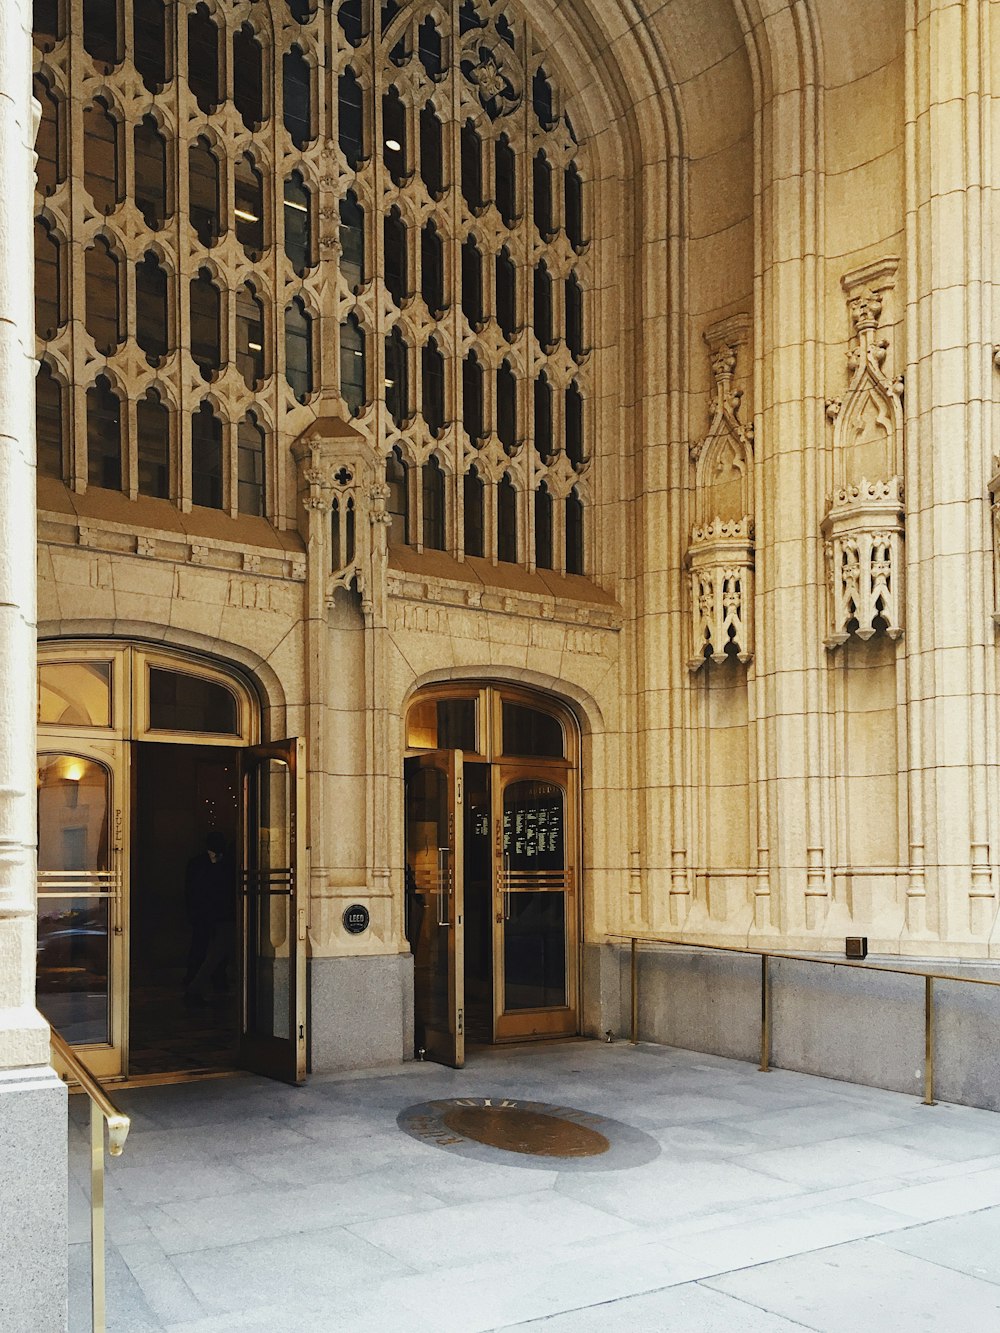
(32, 1099)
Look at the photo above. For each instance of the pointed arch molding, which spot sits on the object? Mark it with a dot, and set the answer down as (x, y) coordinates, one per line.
(863, 527)
(721, 553)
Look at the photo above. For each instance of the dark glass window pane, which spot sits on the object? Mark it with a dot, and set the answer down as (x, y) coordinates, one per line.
(100, 156)
(542, 285)
(541, 99)
(390, 8)
(150, 173)
(432, 269)
(104, 436)
(456, 725)
(206, 461)
(351, 118)
(506, 280)
(349, 18)
(541, 175)
(507, 407)
(49, 423)
(530, 732)
(574, 534)
(179, 702)
(396, 478)
(250, 466)
(203, 60)
(149, 38)
(298, 349)
(432, 367)
(574, 316)
(151, 307)
(574, 425)
(394, 135)
(248, 78)
(203, 171)
(543, 528)
(297, 98)
(534, 951)
(429, 48)
(298, 224)
(472, 397)
(48, 142)
(472, 283)
(474, 506)
(153, 428)
(507, 520)
(396, 377)
(250, 336)
(102, 296)
(395, 256)
(433, 498)
(506, 187)
(469, 17)
(205, 315)
(48, 282)
(543, 417)
(431, 154)
(574, 207)
(472, 167)
(102, 35)
(47, 23)
(248, 213)
(353, 385)
(302, 10)
(352, 241)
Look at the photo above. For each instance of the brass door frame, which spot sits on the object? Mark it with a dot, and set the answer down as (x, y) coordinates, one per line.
(105, 1059)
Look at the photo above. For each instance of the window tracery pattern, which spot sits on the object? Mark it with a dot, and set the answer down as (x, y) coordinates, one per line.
(244, 208)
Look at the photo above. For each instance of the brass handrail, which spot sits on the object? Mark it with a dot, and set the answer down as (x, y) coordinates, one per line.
(102, 1111)
(765, 955)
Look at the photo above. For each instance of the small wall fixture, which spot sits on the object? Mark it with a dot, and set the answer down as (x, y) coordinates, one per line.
(856, 946)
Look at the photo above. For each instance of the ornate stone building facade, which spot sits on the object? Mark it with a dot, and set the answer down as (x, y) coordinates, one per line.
(411, 379)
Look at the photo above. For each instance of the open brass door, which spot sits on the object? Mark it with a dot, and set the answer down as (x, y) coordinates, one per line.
(435, 903)
(534, 955)
(273, 1034)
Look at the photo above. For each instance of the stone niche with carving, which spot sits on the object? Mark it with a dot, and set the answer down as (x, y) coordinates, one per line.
(863, 527)
(720, 554)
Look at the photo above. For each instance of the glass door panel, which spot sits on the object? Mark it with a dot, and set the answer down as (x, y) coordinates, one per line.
(435, 903)
(534, 900)
(273, 1029)
(80, 977)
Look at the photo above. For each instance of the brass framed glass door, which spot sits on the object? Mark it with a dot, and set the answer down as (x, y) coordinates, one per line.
(81, 961)
(534, 945)
(435, 902)
(273, 1035)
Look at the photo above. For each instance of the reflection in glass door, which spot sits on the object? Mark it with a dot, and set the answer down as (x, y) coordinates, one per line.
(435, 903)
(533, 933)
(80, 925)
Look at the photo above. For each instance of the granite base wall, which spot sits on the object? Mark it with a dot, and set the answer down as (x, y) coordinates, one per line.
(360, 1012)
(33, 1202)
(838, 1022)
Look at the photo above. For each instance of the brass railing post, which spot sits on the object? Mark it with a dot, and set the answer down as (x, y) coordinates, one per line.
(765, 1015)
(97, 1280)
(634, 1026)
(928, 1041)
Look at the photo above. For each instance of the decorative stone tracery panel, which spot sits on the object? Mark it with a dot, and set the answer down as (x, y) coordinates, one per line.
(863, 526)
(721, 552)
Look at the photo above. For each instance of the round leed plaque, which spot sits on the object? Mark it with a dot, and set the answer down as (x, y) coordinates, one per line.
(531, 1134)
(356, 919)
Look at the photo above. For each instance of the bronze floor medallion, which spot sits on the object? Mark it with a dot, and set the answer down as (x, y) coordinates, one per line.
(556, 1138)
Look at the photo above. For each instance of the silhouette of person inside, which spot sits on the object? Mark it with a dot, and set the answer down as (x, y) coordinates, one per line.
(210, 903)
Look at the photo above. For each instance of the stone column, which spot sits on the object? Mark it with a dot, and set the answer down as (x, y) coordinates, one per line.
(32, 1099)
(951, 186)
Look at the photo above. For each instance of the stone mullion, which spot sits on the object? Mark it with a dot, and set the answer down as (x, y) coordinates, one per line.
(452, 266)
(186, 265)
(74, 251)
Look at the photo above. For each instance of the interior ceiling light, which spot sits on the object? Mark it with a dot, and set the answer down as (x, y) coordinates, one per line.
(290, 203)
(244, 216)
(393, 145)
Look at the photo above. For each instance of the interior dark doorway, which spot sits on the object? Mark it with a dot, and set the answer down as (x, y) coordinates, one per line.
(478, 906)
(185, 795)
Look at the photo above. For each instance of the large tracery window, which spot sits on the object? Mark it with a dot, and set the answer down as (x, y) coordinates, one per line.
(385, 201)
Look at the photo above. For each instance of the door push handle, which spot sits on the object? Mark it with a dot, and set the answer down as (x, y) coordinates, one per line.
(302, 923)
(444, 854)
(506, 886)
